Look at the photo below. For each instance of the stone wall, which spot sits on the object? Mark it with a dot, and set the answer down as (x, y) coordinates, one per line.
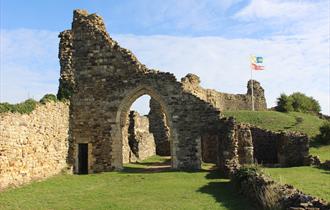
(66, 81)
(265, 193)
(33, 146)
(140, 140)
(107, 80)
(209, 148)
(226, 101)
(283, 148)
(159, 128)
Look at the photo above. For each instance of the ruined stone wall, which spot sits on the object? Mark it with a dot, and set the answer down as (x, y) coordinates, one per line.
(283, 148)
(210, 148)
(226, 101)
(33, 146)
(266, 193)
(159, 128)
(108, 79)
(66, 81)
(245, 144)
(140, 140)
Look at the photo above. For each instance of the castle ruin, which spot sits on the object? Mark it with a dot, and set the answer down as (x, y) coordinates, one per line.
(98, 132)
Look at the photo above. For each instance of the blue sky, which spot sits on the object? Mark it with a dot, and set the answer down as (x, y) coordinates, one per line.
(211, 38)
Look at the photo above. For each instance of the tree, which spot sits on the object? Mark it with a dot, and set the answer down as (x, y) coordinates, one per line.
(297, 102)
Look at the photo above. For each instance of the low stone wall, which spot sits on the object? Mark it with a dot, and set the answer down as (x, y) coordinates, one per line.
(33, 146)
(238, 144)
(140, 140)
(283, 148)
(268, 194)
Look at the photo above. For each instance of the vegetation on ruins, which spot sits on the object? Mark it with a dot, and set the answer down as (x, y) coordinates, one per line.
(27, 106)
(297, 102)
(47, 98)
(324, 136)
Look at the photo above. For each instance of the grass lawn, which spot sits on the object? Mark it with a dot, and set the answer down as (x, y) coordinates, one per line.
(310, 180)
(322, 151)
(138, 186)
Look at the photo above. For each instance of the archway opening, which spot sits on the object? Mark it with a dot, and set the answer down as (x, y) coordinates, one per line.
(145, 134)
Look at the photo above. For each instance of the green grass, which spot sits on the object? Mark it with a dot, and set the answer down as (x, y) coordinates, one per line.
(310, 180)
(136, 187)
(322, 151)
(276, 121)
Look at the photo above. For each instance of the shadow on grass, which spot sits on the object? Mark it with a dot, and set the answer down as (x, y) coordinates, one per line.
(131, 169)
(223, 192)
(158, 169)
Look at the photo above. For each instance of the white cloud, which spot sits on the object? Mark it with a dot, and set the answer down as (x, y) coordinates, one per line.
(29, 65)
(293, 63)
(275, 8)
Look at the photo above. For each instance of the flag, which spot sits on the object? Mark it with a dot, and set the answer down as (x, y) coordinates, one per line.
(259, 59)
(255, 61)
(257, 67)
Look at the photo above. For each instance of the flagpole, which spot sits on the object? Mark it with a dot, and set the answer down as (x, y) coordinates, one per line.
(252, 98)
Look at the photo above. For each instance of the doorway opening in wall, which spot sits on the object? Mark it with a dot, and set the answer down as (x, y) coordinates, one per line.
(209, 149)
(146, 135)
(82, 158)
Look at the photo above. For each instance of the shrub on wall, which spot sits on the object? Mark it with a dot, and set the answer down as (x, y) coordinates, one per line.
(25, 107)
(297, 102)
(65, 90)
(47, 98)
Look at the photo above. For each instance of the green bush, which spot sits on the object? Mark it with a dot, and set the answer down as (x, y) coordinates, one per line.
(47, 98)
(5, 107)
(25, 107)
(297, 102)
(284, 103)
(324, 136)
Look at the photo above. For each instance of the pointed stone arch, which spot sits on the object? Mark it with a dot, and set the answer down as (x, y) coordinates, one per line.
(121, 119)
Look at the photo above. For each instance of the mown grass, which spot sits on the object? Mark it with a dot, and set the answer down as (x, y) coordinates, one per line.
(136, 187)
(310, 180)
(322, 151)
(277, 121)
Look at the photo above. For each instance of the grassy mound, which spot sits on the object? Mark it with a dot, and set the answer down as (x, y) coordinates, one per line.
(276, 121)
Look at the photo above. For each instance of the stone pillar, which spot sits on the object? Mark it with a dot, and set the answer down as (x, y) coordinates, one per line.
(141, 141)
(245, 145)
(228, 147)
(158, 127)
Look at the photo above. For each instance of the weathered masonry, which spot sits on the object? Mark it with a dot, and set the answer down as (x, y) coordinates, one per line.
(103, 80)
(106, 79)
(99, 133)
